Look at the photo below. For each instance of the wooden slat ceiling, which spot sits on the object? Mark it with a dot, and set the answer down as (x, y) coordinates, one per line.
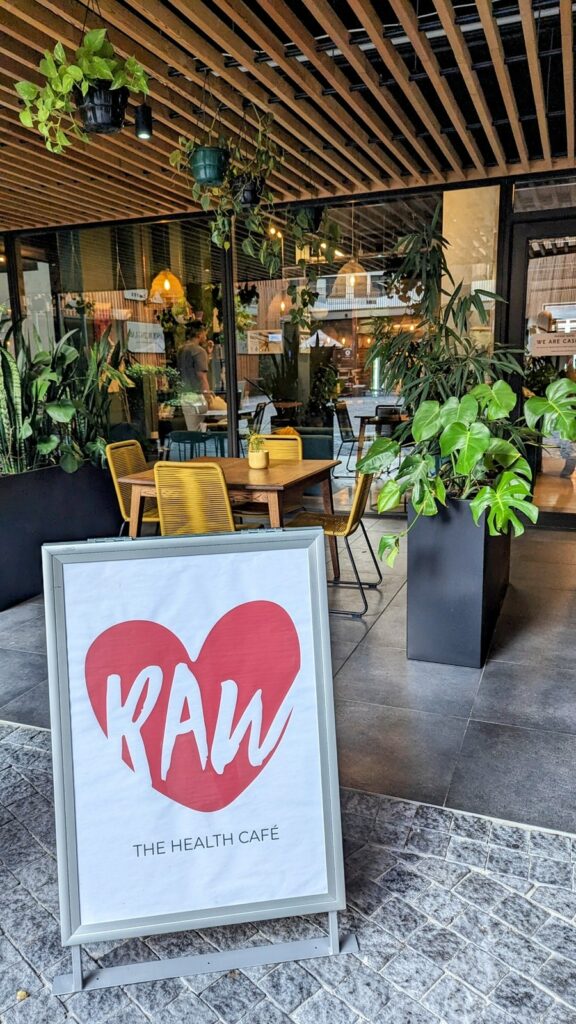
(367, 96)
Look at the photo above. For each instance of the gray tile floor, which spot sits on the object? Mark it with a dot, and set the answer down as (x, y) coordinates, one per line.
(460, 920)
(499, 742)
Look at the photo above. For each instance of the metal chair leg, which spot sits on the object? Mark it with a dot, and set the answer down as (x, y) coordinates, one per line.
(121, 531)
(373, 556)
(343, 476)
(359, 584)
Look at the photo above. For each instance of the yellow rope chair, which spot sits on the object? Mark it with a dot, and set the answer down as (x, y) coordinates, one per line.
(192, 499)
(341, 525)
(125, 458)
(283, 447)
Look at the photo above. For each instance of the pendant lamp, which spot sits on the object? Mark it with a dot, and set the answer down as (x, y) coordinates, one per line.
(166, 288)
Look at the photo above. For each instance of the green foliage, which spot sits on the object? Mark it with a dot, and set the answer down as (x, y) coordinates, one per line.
(321, 247)
(256, 442)
(557, 411)
(51, 108)
(439, 358)
(460, 448)
(54, 403)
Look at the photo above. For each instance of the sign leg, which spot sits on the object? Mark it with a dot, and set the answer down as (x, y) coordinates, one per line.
(334, 937)
(77, 979)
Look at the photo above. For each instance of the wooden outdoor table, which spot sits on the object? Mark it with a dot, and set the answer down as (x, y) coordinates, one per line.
(275, 488)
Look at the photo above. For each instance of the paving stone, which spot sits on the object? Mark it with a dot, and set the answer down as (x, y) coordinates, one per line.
(518, 885)
(35, 873)
(559, 937)
(365, 991)
(562, 901)
(288, 985)
(492, 1015)
(551, 845)
(550, 872)
(477, 889)
(521, 914)
(467, 851)
(510, 836)
(375, 945)
(403, 1010)
(478, 927)
(392, 836)
(331, 970)
(437, 818)
(356, 826)
(468, 826)
(40, 1008)
(508, 862)
(397, 917)
(232, 995)
(401, 881)
(365, 895)
(453, 1002)
(153, 996)
(133, 1015)
(519, 952)
(438, 944)
(8, 953)
(521, 999)
(396, 812)
(413, 973)
(95, 1007)
(559, 975)
(186, 1007)
(560, 1015)
(478, 968)
(324, 1008)
(264, 1013)
(17, 976)
(445, 874)
(367, 805)
(370, 861)
(439, 904)
(424, 841)
(45, 948)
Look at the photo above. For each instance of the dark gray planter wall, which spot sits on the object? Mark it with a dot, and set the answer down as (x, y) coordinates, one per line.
(49, 505)
(457, 579)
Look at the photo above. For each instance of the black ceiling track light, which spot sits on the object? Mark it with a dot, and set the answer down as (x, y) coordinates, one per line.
(143, 121)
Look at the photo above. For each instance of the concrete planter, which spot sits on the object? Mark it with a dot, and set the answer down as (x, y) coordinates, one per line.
(457, 580)
(49, 505)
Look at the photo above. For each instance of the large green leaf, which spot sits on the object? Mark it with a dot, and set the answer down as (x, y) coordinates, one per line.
(388, 547)
(390, 496)
(62, 411)
(449, 411)
(426, 422)
(94, 39)
(503, 502)
(381, 454)
(469, 441)
(468, 410)
(557, 410)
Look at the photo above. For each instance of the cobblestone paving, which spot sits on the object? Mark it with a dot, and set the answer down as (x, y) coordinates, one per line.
(459, 919)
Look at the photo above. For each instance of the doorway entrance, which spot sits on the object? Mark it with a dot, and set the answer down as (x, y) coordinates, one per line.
(542, 323)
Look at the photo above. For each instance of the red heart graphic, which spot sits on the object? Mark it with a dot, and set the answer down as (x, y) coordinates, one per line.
(174, 719)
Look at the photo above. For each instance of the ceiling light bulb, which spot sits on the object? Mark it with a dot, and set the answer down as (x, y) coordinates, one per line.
(272, 230)
(282, 306)
(166, 284)
(323, 245)
(278, 234)
(343, 340)
(352, 280)
(143, 121)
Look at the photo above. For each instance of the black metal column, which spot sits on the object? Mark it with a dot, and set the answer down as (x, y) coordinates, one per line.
(229, 325)
(13, 252)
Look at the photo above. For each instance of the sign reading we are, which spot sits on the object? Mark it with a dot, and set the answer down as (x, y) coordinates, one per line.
(193, 732)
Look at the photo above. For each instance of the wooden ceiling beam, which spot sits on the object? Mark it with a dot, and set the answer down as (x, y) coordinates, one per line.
(306, 81)
(163, 87)
(567, 35)
(531, 44)
(338, 33)
(372, 23)
(492, 34)
(470, 78)
(64, 207)
(356, 167)
(408, 19)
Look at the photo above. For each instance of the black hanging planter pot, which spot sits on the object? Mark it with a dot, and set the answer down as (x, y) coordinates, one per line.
(249, 190)
(314, 216)
(102, 109)
(457, 580)
(208, 164)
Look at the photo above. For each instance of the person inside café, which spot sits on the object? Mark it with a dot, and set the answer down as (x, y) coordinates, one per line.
(193, 366)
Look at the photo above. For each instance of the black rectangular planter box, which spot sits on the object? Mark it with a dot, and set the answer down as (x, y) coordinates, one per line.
(457, 580)
(49, 505)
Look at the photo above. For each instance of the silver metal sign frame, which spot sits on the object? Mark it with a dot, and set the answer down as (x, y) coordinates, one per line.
(74, 932)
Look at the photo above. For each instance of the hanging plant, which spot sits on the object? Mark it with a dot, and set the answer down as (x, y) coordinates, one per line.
(94, 85)
(229, 183)
(312, 230)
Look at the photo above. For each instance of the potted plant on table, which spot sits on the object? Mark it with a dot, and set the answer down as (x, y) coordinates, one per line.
(459, 459)
(258, 457)
(94, 84)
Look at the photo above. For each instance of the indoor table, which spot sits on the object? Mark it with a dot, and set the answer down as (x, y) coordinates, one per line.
(375, 421)
(276, 488)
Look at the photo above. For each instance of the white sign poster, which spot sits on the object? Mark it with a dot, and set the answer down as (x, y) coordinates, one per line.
(136, 294)
(553, 344)
(145, 337)
(198, 785)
